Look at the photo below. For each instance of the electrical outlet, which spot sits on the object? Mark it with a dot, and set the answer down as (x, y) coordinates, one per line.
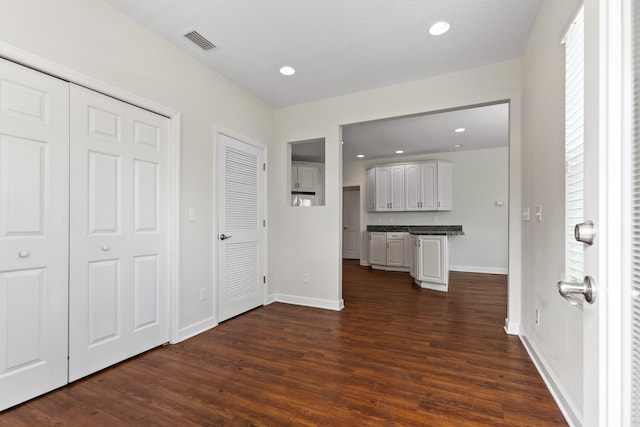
(537, 316)
(305, 277)
(203, 294)
(193, 214)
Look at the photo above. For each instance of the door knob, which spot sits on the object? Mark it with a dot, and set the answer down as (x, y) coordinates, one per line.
(586, 288)
(585, 232)
(24, 254)
(224, 237)
(105, 248)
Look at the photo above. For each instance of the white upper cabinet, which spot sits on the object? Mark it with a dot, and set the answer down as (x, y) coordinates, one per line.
(304, 178)
(371, 190)
(420, 186)
(389, 188)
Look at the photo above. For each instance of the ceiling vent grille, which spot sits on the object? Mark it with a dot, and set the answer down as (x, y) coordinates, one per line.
(200, 40)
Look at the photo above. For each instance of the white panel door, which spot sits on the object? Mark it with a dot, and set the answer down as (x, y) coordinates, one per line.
(241, 225)
(119, 232)
(34, 196)
(351, 239)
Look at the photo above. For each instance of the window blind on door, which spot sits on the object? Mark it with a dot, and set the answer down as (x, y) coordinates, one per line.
(574, 147)
(635, 218)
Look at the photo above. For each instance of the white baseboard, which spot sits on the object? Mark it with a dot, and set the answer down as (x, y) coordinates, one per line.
(390, 268)
(364, 263)
(559, 395)
(271, 299)
(511, 328)
(309, 302)
(195, 329)
(477, 269)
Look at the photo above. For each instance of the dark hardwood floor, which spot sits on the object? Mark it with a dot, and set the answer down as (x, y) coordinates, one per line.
(395, 356)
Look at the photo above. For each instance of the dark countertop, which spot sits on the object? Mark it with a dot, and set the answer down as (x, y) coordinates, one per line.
(431, 230)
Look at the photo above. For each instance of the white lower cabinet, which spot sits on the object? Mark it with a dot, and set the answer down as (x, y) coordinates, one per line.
(377, 248)
(432, 262)
(395, 249)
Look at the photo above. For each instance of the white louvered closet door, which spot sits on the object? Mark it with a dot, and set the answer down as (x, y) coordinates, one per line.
(240, 226)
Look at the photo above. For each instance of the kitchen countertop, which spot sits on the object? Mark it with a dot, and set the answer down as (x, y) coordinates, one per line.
(431, 230)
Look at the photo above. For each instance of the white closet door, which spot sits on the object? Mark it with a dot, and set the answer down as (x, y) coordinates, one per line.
(118, 257)
(241, 214)
(34, 196)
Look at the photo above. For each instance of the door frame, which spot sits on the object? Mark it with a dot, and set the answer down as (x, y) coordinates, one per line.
(38, 63)
(217, 131)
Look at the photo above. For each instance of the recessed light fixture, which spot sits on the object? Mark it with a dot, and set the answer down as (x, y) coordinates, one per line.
(360, 156)
(457, 146)
(399, 151)
(459, 130)
(439, 28)
(287, 70)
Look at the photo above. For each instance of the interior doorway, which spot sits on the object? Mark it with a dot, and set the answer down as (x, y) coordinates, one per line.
(351, 241)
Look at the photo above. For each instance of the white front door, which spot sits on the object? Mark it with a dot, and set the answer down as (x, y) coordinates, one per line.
(607, 86)
(34, 197)
(241, 225)
(119, 232)
(351, 236)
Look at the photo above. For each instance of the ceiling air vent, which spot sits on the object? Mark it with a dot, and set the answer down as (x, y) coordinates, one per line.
(198, 39)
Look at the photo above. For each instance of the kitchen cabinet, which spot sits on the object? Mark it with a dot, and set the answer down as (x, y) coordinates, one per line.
(407, 250)
(432, 262)
(371, 190)
(389, 188)
(395, 249)
(419, 186)
(428, 186)
(377, 248)
(304, 177)
(413, 255)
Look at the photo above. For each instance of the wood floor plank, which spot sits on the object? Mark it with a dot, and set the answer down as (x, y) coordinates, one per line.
(397, 355)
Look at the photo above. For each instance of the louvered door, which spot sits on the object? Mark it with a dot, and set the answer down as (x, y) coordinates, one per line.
(241, 228)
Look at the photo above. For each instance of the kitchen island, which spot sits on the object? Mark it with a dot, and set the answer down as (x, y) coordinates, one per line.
(422, 250)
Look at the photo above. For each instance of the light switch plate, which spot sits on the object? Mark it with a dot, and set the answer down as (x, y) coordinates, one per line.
(193, 214)
(539, 213)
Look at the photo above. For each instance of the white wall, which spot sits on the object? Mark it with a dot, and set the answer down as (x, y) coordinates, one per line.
(557, 340)
(91, 37)
(309, 240)
(480, 178)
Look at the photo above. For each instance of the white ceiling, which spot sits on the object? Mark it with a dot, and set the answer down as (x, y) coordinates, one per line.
(337, 46)
(486, 127)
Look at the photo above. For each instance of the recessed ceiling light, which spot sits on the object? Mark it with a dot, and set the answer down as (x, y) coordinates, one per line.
(459, 130)
(439, 28)
(457, 146)
(399, 151)
(287, 70)
(360, 156)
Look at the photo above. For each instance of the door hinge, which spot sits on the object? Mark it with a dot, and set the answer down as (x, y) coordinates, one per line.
(264, 222)
(264, 166)
(264, 279)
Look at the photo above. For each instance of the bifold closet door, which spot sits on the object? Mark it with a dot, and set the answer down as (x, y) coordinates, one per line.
(34, 230)
(118, 230)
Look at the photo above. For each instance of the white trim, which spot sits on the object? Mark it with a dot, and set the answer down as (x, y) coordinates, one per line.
(36, 62)
(218, 130)
(511, 328)
(390, 268)
(308, 302)
(568, 409)
(196, 329)
(478, 269)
